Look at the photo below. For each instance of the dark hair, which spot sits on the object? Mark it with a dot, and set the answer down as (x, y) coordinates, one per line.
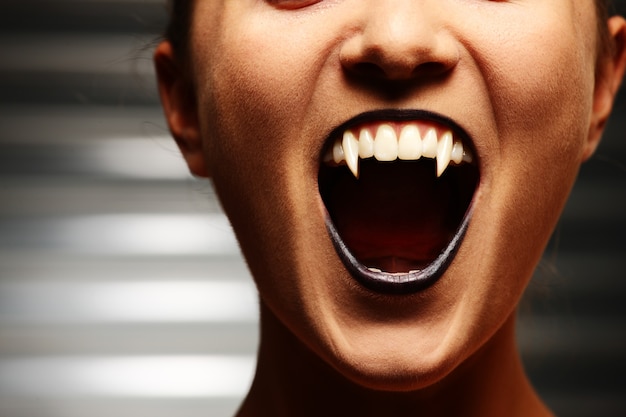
(180, 11)
(177, 31)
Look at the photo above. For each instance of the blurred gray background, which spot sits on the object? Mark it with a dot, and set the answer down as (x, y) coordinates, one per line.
(122, 291)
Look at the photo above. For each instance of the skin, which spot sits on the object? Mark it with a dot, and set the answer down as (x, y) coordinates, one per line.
(252, 107)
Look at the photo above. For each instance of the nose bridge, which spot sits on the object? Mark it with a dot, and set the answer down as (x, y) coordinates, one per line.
(398, 23)
(398, 36)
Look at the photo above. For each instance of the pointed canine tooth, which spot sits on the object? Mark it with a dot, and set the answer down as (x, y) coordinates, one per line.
(410, 143)
(338, 155)
(386, 144)
(351, 152)
(444, 149)
(429, 144)
(366, 144)
(457, 152)
(375, 269)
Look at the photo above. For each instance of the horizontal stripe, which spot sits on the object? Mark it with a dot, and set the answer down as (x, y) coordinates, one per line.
(128, 376)
(132, 302)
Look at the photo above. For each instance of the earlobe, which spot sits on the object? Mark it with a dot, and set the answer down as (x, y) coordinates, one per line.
(609, 74)
(180, 107)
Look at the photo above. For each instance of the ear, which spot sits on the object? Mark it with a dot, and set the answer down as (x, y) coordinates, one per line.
(609, 73)
(180, 107)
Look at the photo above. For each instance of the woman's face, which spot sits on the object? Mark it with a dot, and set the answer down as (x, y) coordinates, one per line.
(278, 83)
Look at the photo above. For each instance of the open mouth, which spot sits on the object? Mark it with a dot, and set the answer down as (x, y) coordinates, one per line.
(398, 189)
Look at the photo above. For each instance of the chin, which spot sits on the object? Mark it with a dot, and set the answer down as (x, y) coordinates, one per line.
(396, 368)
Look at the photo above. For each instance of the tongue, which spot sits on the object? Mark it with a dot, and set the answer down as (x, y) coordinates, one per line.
(395, 217)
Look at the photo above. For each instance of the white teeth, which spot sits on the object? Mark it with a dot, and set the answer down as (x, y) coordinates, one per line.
(375, 269)
(338, 155)
(351, 151)
(467, 156)
(444, 148)
(457, 152)
(410, 143)
(429, 144)
(386, 144)
(366, 144)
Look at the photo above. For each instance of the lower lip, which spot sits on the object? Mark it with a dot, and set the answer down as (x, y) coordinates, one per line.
(398, 283)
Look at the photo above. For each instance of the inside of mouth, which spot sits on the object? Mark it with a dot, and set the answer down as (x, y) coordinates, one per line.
(397, 217)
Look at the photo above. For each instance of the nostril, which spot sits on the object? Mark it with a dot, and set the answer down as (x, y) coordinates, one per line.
(368, 69)
(371, 70)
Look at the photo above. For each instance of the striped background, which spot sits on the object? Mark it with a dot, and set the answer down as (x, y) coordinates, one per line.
(122, 291)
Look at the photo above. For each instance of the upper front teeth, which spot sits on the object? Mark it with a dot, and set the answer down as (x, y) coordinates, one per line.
(388, 146)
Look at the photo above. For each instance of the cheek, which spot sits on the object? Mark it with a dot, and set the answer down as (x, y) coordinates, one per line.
(540, 99)
(542, 94)
(255, 101)
(254, 95)
(258, 88)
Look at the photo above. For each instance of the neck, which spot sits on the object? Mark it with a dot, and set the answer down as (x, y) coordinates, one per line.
(291, 380)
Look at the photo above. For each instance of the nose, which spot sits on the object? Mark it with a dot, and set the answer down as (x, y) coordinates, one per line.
(400, 40)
